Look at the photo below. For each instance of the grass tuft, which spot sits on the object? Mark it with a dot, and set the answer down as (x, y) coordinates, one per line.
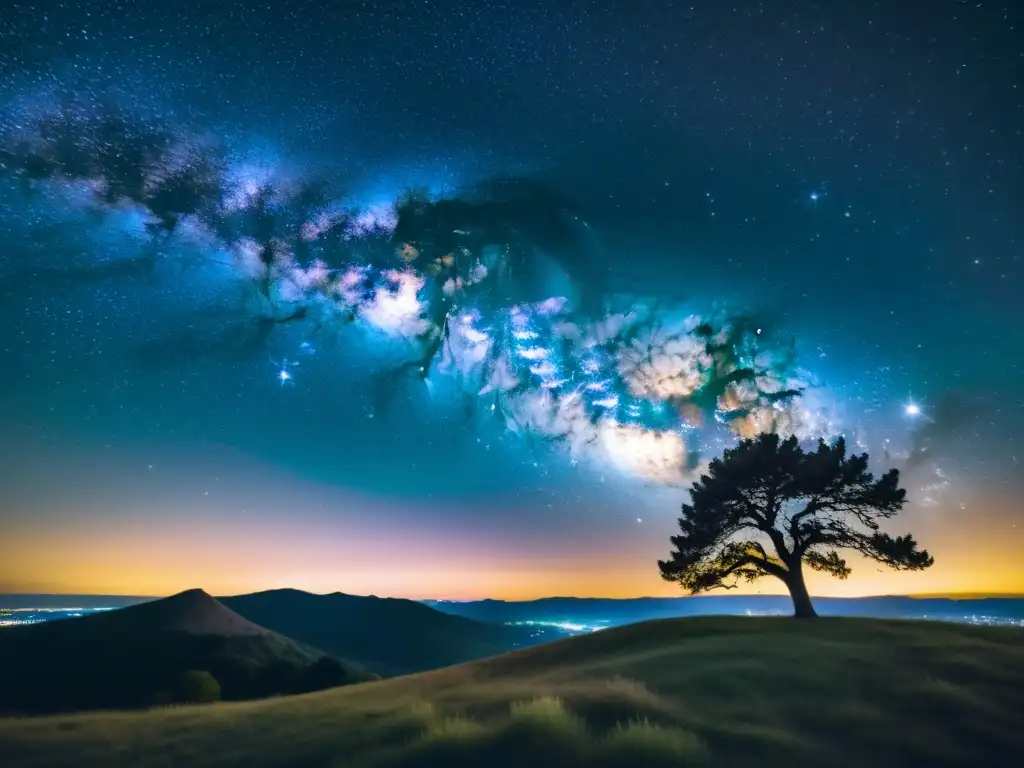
(641, 742)
(546, 713)
(456, 729)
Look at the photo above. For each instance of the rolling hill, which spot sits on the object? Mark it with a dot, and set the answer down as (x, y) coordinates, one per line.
(703, 691)
(388, 635)
(135, 656)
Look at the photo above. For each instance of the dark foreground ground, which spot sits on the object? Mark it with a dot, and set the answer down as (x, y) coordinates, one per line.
(701, 691)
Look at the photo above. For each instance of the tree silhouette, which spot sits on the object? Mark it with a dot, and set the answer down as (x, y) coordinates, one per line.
(767, 507)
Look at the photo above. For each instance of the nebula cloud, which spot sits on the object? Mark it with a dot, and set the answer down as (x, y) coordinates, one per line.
(492, 290)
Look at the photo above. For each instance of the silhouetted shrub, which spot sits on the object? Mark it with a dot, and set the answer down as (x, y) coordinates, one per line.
(279, 677)
(326, 672)
(197, 686)
(239, 678)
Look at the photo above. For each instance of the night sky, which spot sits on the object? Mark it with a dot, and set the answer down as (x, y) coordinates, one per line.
(194, 397)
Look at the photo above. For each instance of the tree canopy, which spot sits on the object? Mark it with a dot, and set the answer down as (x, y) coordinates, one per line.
(767, 507)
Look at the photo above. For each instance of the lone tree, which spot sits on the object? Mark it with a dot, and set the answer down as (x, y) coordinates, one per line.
(767, 507)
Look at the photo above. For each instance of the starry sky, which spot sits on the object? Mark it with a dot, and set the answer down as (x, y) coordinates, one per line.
(191, 399)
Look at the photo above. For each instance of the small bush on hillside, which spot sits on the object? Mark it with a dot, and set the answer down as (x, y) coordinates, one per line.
(197, 686)
(279, 677)
(325, 672)
(239, 679)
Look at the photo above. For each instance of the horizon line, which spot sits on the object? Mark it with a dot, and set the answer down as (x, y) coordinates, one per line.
(916, 595)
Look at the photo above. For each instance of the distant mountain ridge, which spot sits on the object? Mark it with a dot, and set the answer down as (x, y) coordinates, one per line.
(571, 610)
(137, 655)
(391, 636)
(613, 612)
(19, 600)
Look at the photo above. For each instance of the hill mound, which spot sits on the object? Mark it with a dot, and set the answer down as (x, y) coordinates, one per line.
(388, 635)
(197, 613)
(703, 691)
(139, 655)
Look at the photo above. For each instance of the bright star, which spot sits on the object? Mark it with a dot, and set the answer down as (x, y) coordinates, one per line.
(912, 409)
(284, 374)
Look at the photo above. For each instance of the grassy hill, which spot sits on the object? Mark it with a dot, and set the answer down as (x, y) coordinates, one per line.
(388, 635)
(702, 691)
(137, 655)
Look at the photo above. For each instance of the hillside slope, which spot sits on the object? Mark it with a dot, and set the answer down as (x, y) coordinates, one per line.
(706, 691)
(134, 656)
(388, 635)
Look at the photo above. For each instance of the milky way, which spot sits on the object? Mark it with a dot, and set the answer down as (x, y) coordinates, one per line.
(490, 289)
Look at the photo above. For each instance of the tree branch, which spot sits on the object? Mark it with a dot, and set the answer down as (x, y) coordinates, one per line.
(746, 561)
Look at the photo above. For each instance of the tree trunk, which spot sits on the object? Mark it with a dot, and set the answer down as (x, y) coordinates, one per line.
(802, 607)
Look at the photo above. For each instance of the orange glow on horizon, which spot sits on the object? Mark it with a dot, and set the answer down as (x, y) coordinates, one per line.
(164, 560)
(162, 544)
(265, 527)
